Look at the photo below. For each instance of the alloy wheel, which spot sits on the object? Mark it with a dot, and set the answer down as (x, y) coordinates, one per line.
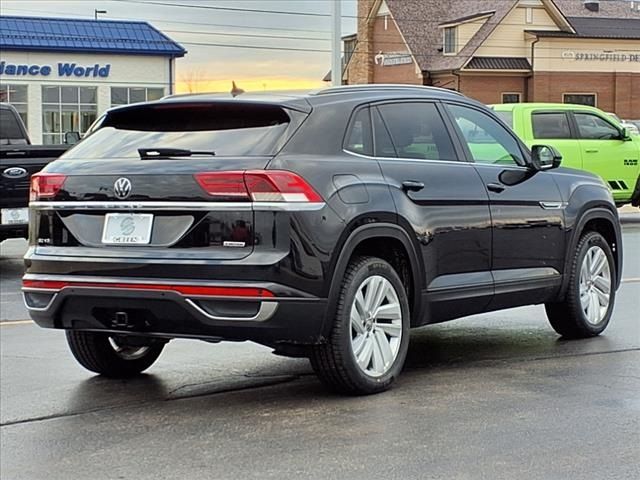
(127, 352)
(595, 285)
(376, 326)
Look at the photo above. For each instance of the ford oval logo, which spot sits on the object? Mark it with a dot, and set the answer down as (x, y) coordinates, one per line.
(122, 188)
(14, 172)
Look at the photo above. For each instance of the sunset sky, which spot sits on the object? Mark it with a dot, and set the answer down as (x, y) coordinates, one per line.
(217, 39)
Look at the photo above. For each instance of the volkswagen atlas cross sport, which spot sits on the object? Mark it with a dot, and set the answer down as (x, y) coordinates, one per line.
(323, 226)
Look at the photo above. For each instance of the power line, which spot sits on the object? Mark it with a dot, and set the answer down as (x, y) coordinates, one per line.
(158, 20)
(225, 34)
(57, 36)
(232, 9)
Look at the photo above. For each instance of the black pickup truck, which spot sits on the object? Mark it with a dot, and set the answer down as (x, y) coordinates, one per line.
(18, 161)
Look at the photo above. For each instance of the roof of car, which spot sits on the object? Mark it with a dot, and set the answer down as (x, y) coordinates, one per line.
(346, 93)
(551, 106)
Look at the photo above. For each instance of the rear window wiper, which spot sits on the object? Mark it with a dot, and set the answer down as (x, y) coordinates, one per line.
(163, 153)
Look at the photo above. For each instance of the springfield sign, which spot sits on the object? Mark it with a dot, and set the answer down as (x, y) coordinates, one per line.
(602, 57)
(61, 70)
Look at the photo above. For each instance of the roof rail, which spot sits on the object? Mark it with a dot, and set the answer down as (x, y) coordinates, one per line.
(379, 87)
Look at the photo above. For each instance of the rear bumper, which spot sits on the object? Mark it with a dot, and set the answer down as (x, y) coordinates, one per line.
(175, 309)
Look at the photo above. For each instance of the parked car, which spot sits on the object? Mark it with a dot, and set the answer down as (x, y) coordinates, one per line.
(18, 161)
(630, 126)
(323, 225)
(587, 139)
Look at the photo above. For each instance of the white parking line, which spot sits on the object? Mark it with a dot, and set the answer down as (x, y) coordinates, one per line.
(16, 322)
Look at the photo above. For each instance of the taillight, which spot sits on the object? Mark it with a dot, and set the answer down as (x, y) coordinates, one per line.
(259, 186)
(190, 290)
(45, 185)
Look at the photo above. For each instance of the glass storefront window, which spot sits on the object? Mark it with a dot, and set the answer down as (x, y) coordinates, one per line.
(67, 109)
(16, 95)
(127, 95)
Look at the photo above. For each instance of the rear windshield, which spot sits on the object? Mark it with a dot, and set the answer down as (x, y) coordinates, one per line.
(10, 131)
(228, 129)
(506, 117)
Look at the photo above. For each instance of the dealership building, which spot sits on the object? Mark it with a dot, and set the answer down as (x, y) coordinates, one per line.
(499, 51)
(61, 74)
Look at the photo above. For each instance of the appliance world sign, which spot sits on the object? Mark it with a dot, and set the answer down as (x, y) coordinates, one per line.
(61, 69)
(601, 57)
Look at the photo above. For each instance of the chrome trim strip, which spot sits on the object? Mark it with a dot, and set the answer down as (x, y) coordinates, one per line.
(266, 311)
(552, 205)
(131, 280)
(396, 159)
(287, 206)
(182, 206)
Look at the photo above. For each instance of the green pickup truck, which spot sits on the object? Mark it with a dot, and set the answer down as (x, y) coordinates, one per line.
(587, 138)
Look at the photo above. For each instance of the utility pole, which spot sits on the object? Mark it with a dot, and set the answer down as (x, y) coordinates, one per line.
(336, 54)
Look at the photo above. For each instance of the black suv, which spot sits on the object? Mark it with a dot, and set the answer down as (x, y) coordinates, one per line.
(324, 225)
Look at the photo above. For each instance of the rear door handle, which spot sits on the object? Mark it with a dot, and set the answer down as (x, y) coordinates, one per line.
(495, 187)
(592, 151)
(412, 186)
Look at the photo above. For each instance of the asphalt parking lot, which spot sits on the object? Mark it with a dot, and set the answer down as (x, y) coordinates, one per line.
(491, 396)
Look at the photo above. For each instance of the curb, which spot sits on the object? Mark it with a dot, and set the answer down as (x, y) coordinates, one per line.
(629, 218)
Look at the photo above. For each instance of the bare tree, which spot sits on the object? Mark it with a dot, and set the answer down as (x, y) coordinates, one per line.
(192, 78)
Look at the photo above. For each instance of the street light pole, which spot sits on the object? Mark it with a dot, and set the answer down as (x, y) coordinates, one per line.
(336, 55)
(96, 12)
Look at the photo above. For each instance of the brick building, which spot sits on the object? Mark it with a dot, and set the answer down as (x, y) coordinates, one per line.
(573, 51)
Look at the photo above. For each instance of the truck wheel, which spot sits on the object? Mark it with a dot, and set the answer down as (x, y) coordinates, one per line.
(586, 310)
(112, 356)
(368, 343)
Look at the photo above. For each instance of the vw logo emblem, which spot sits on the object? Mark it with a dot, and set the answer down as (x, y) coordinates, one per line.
(122, 188)
(14, 172)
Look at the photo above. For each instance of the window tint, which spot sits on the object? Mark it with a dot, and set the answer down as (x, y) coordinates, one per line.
(418, 131)
(488, 141)
(550, 125)
(359, 135)
(382, 140)
(592, 127)
(229, 129)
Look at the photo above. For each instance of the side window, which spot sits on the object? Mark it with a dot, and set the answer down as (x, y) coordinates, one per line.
(359, 134)
(418, 131)
(550, 125)
(488, 141)
(381, 138)
(592, 127)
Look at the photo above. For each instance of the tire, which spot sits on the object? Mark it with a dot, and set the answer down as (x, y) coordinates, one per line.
(582, 313)
(110, 356)
(335, 361)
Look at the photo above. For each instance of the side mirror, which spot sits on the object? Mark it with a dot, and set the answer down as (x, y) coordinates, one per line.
(71, 138)
(545, 157)
(625, 135)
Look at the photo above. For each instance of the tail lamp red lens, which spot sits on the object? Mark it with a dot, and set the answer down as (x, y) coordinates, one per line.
(45, 185)
(258, 185)
(189, 290)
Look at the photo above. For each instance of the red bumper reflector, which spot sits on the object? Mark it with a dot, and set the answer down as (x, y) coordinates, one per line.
(189, 290)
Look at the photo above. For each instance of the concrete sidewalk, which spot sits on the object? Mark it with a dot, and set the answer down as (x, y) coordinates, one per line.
(629, 214)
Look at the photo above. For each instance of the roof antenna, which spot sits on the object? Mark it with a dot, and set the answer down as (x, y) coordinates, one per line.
(235, 91)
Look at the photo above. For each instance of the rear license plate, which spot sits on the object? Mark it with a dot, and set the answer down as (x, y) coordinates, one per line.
(127, 228)
(15, 216)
